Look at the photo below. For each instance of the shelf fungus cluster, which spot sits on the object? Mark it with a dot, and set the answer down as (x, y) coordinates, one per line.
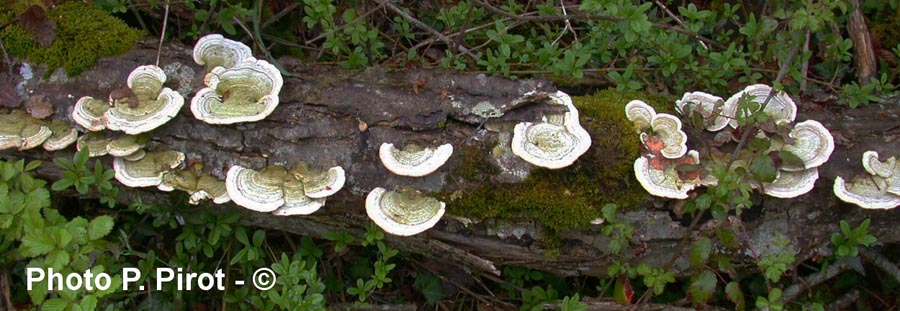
(404, 212)
(667, 169)
(665, 147)
(300, 190)
(149, 170)
(239, 87)
(879, 189)
(198, 186)
(554, 143)
(407, 211)
(126, 146)
(21, 131)
(141, 107)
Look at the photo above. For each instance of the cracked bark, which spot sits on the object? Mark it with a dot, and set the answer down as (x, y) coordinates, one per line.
(330, 117)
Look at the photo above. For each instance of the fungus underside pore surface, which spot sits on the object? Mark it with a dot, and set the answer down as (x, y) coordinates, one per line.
(84, 33)
(569, 197)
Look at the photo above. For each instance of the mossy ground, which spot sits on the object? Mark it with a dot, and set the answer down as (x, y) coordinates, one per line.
(84, 33)
(569, 197)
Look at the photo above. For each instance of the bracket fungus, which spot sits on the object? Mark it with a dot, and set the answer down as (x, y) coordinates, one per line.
(404, 212)
(707, 105)
(813, 144)
(90, 113)
(298, 191)
(880, 189)
(791, 184)
(663, 126)
(318, 183)
(155, 104)
(103, 143)
(149, 170)
(142, 107)
(214, 50)
(19, 130)
(781, 108)
(62, 135)
(414, 160)
(247, 92)
(198, 186)
(664, 181)
(554, 143)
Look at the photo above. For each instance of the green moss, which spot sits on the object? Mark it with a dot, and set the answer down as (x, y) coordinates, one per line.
(884, 25)
(84, 33)
(569, 197)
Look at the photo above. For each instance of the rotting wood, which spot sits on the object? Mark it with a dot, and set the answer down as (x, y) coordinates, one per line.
(334, 117)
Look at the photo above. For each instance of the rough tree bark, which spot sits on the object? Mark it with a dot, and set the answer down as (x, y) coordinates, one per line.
(329, 116)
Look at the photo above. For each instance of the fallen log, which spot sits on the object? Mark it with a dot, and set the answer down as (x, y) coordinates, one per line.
(330, 116)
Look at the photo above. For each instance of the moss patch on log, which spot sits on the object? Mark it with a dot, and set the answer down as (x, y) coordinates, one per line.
(84, 33)
(570, 197)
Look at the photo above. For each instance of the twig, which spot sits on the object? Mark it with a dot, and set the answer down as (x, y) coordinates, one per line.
(746, 134)
(427, 28)
(815, 279)
(345, 25)
(280, 14)
(589, 17)
(9, 64)
(162, 33)
(568, 24)
(678, 20)
(881, 262)
(4, 287)
(845, 301)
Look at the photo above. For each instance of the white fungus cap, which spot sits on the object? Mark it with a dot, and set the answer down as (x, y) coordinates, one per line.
(405, 212)
(414, 160)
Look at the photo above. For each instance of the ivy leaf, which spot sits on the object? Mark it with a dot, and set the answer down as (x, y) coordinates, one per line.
(763, 169)
(735, 295)
(35, 20)
(430, 286)
(702, 287)
(100, 227)
(700, 250)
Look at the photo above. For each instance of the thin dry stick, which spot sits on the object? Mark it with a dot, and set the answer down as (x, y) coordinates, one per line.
(678, 20)
(4, 287)
(162, 34)
(588, 17)
(568, 24)
(881, 262)
(461, 48)
(815, 279)
(345, 25)
(844, 301)
(9, 64)
(785, 66)
(281, 14)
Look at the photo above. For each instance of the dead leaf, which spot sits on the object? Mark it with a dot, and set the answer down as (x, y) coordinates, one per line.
(38, 106)
(35, 20)
(417, 84)
(124, 95)
(9, 97)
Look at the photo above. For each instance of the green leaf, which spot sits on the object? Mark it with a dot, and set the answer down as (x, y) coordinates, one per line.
(100, 227)
(700, 250)
(763, 169)
(55, 304)
(735, 295)
(89, 302)
(790, 159)
(430, 286)
(36, 243)
(702, 287)
(32, 165)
